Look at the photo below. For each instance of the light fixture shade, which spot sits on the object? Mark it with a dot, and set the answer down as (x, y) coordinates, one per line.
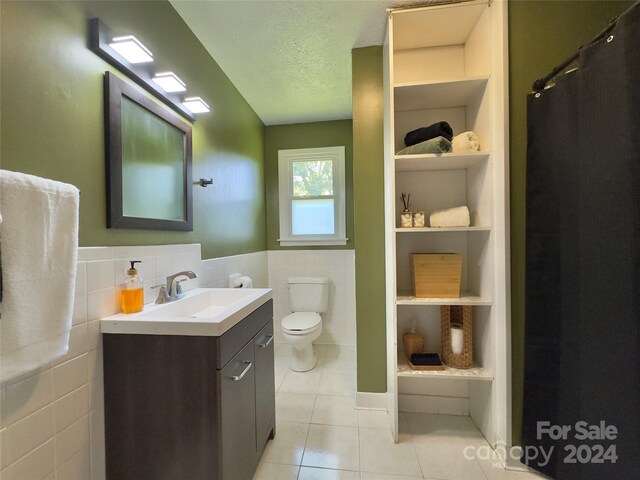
(195, 105)
(169, 82)
(131, 49)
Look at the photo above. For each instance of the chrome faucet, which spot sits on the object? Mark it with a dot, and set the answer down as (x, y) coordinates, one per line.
(173, 290)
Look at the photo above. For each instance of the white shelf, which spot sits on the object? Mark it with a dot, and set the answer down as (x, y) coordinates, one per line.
(447, 25)
(464, 299)
(441, 94)
(443, 161)
(474, 373)
(442, 229)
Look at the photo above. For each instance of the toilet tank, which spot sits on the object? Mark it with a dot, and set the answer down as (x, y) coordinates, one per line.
(308, 294)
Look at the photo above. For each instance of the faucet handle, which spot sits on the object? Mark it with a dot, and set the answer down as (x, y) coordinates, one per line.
(162, 293)
(179, 287)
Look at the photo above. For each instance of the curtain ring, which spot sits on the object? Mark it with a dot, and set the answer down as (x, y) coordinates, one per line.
(610, 39)
(537, 95)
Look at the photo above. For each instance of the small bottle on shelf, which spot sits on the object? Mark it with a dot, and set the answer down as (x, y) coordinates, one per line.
(418, 218)
(412, 341)
(406, 219)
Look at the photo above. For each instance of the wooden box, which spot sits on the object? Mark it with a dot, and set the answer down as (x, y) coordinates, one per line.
(436, 275)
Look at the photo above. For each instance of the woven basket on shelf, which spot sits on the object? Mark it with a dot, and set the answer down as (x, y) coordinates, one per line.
(457, 315)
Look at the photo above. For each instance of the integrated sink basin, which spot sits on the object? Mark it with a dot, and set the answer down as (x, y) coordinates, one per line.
(202, 312)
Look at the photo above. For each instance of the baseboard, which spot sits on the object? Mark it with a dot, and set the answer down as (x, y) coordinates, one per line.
(506, 454)
(516, 465)
(371, 401)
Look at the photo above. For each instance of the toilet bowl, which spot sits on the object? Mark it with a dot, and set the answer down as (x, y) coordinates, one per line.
(308, 296)
(299, 330)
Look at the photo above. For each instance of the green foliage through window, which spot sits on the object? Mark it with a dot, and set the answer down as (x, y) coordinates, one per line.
(312, 178)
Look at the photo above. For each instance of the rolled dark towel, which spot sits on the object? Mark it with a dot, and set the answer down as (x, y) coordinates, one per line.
(440, 129)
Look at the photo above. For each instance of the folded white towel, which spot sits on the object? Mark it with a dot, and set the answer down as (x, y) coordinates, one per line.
(450, 217)
(39, 235)
(465, 142)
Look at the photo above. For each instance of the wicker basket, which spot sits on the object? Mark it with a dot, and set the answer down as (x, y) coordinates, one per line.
(457, 315)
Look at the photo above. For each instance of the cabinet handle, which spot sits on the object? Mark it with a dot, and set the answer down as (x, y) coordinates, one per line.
(267, 343)
(244, 372)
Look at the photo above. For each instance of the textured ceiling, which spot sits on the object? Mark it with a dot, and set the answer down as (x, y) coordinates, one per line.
(291, 60)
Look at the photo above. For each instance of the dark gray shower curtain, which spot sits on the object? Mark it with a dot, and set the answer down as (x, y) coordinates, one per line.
(582, 343)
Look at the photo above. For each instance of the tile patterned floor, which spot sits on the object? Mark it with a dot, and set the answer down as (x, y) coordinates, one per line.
(321, 436)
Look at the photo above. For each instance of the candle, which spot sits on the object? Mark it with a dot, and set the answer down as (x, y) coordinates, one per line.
(457, 340)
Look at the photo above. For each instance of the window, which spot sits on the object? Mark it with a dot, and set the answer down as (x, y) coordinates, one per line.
(312, 196)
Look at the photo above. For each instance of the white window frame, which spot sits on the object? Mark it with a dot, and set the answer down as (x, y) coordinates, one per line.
(285, 186)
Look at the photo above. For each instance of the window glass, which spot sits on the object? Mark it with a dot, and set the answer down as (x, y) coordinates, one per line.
(312, 178)
(313, 217)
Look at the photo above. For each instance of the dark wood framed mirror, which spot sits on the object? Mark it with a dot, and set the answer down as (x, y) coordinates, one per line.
(148, 161)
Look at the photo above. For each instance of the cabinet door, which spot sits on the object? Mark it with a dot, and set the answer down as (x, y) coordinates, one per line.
(265, 385)
(238, 414)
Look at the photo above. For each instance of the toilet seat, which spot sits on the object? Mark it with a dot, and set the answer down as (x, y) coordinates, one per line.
(300, 323)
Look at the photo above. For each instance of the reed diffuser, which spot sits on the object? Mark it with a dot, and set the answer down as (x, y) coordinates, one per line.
(406, 217)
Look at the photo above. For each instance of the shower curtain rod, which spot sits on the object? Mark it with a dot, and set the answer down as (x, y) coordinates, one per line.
(541, 83)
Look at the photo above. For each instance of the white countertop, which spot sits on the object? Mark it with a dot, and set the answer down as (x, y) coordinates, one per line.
(202, 312)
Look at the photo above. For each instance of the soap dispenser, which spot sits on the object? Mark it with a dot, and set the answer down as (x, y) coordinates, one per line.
(132, 295)
(413, 342)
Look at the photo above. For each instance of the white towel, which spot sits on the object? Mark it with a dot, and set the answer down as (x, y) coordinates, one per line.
(39, 236)
(450, 217)
(465, 142)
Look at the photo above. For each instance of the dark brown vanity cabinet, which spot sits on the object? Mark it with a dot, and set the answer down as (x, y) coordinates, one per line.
(190, 407)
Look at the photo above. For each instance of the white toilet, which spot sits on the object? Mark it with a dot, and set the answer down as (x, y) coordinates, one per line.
(308, 297)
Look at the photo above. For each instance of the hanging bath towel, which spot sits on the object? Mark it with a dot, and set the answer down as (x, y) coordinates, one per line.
(39, 236)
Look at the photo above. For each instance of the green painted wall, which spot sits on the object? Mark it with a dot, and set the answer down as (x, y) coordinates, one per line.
(305, 135)
(368, 181)
(52, 118)
(542, 34)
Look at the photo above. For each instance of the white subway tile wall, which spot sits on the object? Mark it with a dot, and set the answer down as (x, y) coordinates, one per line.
(52, 423)
(339, 323)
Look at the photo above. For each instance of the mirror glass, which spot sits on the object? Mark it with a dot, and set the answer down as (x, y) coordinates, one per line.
(149, 162)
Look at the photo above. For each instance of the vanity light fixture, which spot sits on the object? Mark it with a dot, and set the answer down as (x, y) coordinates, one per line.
(132, 58)
(131, 49)
(196, 105)
(170, 82)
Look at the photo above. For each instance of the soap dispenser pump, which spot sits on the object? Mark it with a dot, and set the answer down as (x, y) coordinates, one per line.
(132, 295)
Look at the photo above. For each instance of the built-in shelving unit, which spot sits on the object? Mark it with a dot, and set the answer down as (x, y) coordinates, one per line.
(448, 63)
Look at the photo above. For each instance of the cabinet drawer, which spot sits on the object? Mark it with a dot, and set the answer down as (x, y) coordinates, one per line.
(236, 338)
(265, 384)
(237, 395)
